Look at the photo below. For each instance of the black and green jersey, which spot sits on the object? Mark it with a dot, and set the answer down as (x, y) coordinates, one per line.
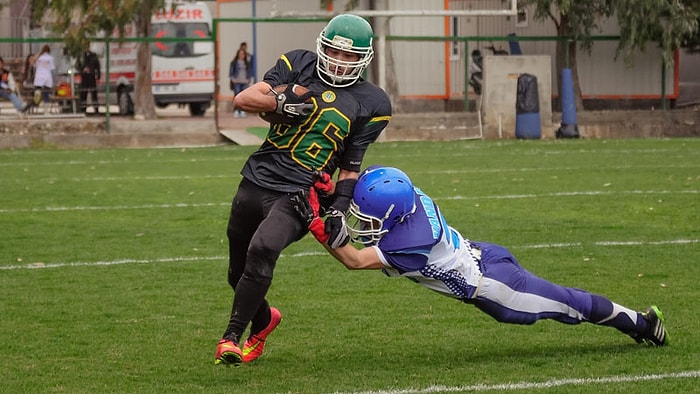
(336, 135)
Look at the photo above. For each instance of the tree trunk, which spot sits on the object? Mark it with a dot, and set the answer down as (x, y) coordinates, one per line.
(144, 105)
(392, 83)
(563, 30)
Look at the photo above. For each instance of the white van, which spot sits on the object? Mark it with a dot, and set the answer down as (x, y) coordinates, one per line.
(183, 72)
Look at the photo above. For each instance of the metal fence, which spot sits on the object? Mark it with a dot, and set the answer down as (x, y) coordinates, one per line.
(434, 68)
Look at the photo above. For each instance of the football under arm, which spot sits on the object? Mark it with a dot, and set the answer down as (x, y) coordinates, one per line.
(356, 259)
(256, 98)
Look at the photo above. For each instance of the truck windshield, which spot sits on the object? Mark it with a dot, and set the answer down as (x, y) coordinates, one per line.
(177, 30)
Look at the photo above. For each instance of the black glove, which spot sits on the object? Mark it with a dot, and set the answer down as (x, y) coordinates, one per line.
(303, 207)
(336, 229)
(335, 215)
(291, 105)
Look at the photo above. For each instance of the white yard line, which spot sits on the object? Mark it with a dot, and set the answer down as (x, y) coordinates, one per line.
(305, 254)
(536, 385)
(212, 204)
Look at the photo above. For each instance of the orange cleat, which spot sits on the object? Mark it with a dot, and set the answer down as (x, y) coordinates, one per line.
(228, 353)
(255, 344)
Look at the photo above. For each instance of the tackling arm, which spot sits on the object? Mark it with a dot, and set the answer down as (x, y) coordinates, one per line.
(354, 259)
(307, 206)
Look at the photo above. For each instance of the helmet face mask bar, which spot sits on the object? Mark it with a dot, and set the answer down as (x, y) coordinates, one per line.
(347, 33)
(365, 229)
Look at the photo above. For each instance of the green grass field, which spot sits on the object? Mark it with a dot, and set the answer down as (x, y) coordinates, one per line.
(113, 274)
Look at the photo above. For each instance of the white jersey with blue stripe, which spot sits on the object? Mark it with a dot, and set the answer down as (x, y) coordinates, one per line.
(426, 250)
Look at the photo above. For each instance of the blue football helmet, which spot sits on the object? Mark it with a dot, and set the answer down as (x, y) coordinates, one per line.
(382, 198)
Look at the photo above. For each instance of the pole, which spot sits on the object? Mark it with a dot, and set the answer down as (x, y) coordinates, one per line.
(663, 85)
(107, 89)
(381, 49)
(255, 40)
(466, 76)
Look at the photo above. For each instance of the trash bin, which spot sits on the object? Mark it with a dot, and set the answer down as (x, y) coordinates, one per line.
(527, 108)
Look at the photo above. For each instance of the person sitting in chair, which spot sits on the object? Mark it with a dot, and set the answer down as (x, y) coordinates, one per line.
(8, 89)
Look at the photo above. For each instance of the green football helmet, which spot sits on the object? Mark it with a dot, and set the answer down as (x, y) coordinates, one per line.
(347, 33)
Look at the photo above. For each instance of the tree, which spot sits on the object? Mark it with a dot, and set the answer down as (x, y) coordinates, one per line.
(666, 23)
(641, 22)
(79, 20)
(692, 42)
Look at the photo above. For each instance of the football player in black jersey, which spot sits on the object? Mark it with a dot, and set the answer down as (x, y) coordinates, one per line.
(323, 131)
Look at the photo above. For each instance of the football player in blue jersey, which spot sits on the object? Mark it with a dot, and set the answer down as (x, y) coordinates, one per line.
(405, 234)
(328, 128)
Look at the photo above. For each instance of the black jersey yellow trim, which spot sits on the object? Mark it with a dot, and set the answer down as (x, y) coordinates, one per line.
(380, 118)
(286, 61)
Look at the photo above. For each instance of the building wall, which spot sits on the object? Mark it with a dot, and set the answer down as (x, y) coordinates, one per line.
(601, 73)
(689, 78)
(421, 66)
(436, 69)
(14, 23)
(266, 40)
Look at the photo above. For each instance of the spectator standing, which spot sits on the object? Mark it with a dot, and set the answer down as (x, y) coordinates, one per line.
(241, 75)
(29, 72)
(8, 88)
(89, 67)
(249, 56)
(45, 73)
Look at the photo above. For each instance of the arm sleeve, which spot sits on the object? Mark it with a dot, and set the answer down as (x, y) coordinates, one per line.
(343, 194)
(285, 69)
(352, 159)
(371, 126)
(399, 263)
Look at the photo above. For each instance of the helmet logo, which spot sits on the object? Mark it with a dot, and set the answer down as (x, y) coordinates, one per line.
(342, 42)
(328, 96)
(387, 215)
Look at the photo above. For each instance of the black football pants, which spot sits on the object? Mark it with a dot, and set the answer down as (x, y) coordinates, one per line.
(261, 224)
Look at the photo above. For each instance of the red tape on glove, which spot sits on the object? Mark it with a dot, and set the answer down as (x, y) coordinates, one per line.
(317, 226)
(323, 183)
(318, 229)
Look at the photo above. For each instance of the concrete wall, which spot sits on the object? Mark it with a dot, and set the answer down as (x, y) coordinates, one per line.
(500, 92)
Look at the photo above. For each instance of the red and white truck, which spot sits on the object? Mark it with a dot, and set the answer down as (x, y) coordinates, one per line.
(182, 72)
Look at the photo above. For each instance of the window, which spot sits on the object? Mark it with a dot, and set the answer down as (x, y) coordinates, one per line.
(522, 20)
(454, 32)
(179, 30)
